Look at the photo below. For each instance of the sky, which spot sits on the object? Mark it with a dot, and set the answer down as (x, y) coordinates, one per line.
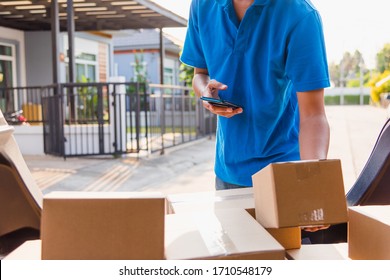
(349, 25)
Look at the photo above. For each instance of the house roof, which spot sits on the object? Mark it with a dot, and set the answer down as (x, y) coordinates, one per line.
(90, 15)
(144, 39)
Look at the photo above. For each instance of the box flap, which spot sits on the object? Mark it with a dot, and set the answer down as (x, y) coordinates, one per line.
(263, 182)
(21, 199)
(222, 234)
(377, 212)
(102, 195)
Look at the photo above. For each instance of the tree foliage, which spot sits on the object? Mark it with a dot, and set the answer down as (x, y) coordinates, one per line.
(186, 74)
(383, 59)
(382, 72)
(377, 90)
(347, 73)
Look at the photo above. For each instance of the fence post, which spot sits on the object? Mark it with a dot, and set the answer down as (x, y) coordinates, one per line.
(162, 119)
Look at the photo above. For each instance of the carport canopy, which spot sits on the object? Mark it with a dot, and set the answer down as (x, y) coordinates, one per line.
(89, 15)
(86, 15)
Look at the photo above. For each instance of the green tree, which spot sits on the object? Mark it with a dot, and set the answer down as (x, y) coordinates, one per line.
(378, 89)
(350, 69)
(140, 69)
(186, 74)
(383, 59)
(334, 72)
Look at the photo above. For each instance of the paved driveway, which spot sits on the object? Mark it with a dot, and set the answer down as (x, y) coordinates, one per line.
(189, 168)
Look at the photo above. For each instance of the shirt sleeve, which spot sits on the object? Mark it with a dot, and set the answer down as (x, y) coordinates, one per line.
(192, 54)
(306, 62)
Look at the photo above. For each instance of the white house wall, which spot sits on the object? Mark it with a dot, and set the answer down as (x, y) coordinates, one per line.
(16, 37)
(89, 43)
(39, 59)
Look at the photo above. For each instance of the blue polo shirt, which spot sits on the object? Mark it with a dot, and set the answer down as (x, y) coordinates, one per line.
(276, 50)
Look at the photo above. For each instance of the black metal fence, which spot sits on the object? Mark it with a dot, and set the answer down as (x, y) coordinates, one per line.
(82, 119)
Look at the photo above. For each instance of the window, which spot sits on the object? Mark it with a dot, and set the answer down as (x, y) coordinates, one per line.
(86, 66)
(168, 76)
(7, 76)
(7, 65)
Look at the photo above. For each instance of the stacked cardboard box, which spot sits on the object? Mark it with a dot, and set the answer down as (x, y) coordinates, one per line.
(369, 232)
(289, 238)
(215, 225)
(302, 193)
(338, 251)
(224, 235)
(103, 226)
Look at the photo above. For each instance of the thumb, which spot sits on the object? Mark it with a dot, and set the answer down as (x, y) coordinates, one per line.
(214, 84)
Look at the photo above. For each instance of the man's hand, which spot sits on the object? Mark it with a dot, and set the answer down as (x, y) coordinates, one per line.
(203, 86)
(315, 228)
(211, 90)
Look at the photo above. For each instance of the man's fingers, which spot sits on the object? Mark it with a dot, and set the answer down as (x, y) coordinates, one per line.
(225, 112)
(315, 228)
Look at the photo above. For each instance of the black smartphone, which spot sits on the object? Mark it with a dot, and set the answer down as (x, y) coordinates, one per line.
(220, 102)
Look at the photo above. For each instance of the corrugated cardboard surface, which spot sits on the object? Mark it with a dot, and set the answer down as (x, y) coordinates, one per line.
(223, 234)
(103, 226)
(337, 251)
(369, 232)
(302, 193)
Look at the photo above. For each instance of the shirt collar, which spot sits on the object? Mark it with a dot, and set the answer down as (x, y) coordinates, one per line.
(224, 3)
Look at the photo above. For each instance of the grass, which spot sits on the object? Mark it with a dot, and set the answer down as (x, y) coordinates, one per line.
(348, 100)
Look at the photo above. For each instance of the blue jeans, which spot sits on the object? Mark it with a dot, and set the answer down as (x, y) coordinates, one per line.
(221, 185)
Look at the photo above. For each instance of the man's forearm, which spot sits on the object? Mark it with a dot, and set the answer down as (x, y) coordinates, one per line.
(314, 137)
(200, 81)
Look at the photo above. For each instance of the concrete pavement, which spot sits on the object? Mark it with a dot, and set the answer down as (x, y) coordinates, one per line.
(189, 167)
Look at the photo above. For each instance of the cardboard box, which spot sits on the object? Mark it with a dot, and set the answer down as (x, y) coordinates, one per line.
(301, 193)
(103, 226)
(20, 197)
(289, 238)
(221, 199)
(337, 251)
(369, 232)
(221, 235)
(29, 251)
